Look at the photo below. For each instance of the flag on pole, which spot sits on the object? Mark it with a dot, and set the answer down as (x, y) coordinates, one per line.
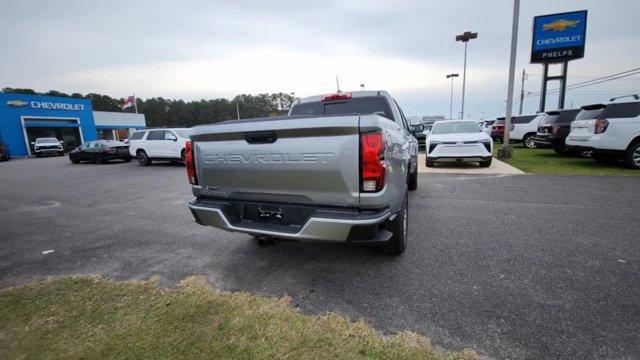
(129, 102)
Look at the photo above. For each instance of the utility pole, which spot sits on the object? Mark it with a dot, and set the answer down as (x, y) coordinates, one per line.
(465, 37)
(524, 77)
(452, 76)
(337, 83)
(506, 152)
(238, 109)
(362, 86)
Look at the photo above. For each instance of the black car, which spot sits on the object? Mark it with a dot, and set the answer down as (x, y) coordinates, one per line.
(100, 152)
(554, 129)
(5, 155)
(417, 130)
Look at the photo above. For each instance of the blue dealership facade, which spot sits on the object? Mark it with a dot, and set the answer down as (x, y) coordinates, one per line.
(23, 118)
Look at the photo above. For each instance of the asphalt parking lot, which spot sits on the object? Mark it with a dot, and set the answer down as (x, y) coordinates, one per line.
(512, 266)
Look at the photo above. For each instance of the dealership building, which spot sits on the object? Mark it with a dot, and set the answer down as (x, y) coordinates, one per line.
(24, 118)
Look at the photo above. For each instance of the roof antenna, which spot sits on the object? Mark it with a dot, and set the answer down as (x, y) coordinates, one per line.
(337, 83)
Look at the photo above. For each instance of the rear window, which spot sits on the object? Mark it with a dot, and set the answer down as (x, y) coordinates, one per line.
(549, 119)
(499, 122)
(359, 105)
(622, 110)
(137, 135)
(567, 116)
(456, 127)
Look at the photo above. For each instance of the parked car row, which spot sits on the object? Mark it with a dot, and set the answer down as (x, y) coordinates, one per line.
(608, 132)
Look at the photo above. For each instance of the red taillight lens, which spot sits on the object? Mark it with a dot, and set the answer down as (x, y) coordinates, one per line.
(190, 162)
(555, 128)
(337, 96)
(601, 126)
(372, 157)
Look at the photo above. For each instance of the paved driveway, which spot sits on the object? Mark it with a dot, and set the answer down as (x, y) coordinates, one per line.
(512, 266)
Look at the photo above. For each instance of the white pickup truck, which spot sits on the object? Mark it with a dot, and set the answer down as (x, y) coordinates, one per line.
(611, 131)
(336, 169)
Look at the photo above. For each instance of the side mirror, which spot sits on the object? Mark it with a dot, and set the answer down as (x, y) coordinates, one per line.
(33, 143)
(415, 129)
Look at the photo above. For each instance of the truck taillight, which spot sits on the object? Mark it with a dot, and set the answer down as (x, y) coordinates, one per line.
(372, 166)
(601, 126)
(190, 162)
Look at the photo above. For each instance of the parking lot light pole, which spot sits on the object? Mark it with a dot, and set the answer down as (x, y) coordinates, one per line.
(465, 37)
(506, 152)
(452, 76)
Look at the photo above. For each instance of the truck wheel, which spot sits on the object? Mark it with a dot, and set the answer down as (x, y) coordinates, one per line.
(143, 159)
(486, 163)
(529, 141)
(75, 161)
(632, 156)
(399, 227)
(429, 163)
(412, 184)
(38, 155)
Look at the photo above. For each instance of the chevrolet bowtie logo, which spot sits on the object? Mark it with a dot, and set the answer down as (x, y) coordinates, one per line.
(17, 103)
(560, 25)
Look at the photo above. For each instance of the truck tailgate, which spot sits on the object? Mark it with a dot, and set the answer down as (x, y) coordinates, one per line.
(311, 160)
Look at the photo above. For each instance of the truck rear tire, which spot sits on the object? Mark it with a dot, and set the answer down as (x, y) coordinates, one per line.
(399, 227)
(412, 184)
(429, 163)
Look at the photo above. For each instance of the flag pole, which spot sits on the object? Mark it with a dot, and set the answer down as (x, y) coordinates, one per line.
(135, 102)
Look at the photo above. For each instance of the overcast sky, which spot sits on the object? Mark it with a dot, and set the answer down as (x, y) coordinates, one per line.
(209, 49)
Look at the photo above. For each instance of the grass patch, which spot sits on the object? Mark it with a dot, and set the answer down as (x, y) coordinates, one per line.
(85, 317)
(546, 161)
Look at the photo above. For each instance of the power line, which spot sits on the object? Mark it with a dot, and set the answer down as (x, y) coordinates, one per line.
(593, 81)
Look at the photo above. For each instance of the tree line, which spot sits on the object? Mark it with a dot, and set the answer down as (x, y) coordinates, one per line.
(160, 112)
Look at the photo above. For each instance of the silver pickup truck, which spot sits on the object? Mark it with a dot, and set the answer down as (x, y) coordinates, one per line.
(337, 168)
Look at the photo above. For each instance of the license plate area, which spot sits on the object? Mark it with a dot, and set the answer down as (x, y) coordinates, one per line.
(277, 214)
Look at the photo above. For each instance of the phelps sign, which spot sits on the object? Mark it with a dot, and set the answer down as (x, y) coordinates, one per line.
(559, 37)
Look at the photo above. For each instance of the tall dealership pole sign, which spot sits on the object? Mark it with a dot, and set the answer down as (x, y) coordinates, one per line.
(558, 39)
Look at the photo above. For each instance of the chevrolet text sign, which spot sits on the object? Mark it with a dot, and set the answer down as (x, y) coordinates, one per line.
(56, 106)
(559, 37)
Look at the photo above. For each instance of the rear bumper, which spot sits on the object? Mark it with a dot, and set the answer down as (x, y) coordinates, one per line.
(459, 158)
(328, 225)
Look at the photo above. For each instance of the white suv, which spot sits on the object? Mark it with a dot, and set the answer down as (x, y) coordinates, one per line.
(524, 128)
(158, 144)
(611, 131)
